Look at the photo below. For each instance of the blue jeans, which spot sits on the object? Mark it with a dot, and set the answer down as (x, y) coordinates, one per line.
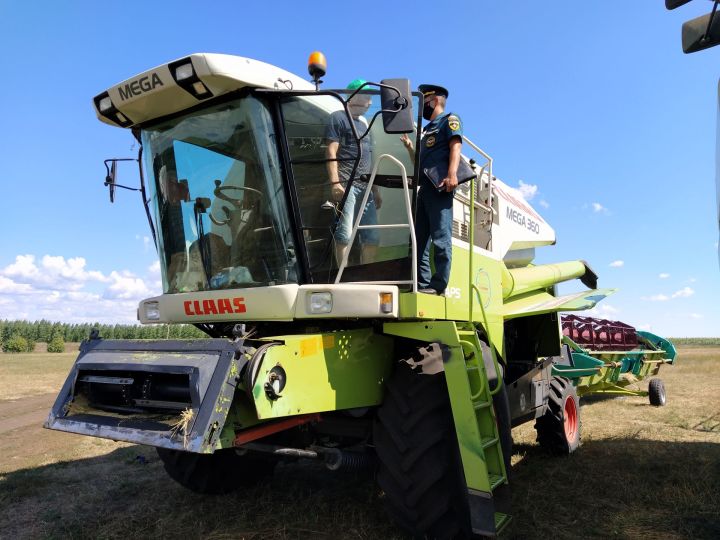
(350, 211)
(434, 221)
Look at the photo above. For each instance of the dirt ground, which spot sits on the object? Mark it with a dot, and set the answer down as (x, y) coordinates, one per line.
(642, 472)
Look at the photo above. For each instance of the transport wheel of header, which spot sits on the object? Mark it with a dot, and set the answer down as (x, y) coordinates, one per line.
(419, 468)
(656, 392)
(215, 474)
(558, 430)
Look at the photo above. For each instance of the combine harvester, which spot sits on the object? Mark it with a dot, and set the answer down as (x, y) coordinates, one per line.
(340, 361)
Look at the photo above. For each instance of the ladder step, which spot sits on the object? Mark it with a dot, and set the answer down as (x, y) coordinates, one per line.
(466, 332)
(488, 442)
(496, 480)
(481, 405)
(501, 521)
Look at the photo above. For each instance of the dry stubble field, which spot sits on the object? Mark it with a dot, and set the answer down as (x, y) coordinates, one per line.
(642, 472)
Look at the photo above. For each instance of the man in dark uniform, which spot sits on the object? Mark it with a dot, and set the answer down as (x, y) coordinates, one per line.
(439, 151)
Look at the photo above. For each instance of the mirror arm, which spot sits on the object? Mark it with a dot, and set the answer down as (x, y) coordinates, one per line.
(710, 21)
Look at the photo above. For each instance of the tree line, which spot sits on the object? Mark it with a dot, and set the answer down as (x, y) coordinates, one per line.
(44, 331)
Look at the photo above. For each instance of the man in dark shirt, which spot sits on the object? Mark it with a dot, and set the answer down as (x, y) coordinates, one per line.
(440, 150)
(342, 153)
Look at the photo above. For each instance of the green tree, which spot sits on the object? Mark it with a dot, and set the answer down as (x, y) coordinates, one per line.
(57, 344)
(15, 344)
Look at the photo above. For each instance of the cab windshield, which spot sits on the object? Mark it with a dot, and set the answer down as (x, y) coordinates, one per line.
(217, 194)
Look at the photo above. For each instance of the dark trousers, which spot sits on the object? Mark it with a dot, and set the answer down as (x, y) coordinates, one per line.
(433, 221)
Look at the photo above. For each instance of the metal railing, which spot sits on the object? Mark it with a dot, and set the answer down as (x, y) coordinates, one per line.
(482, 197)
(409, 225)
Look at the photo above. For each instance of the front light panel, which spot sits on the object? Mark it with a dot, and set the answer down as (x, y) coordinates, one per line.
(105, 104)
(183, 72)
(152, 311)
(320, 302)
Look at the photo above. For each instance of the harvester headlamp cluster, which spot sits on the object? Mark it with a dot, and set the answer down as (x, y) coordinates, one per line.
(152, 311)
(185, 76)
(320, 302)
(107, 108)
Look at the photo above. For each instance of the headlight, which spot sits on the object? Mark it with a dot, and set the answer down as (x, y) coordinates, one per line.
(320, 302)
(105, 104)
(152, 311)
(183, 72)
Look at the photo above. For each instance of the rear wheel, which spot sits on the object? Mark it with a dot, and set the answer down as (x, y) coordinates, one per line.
(419, 470)
(558, 430)
(214, 474)
(656, 392)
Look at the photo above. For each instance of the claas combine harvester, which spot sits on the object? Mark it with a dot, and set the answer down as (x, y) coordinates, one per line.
(342, 360)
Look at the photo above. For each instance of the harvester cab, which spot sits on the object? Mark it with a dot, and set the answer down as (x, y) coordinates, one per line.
(326, 353)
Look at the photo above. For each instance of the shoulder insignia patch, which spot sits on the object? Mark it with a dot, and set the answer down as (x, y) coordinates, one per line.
(430, 141)
(453, 122)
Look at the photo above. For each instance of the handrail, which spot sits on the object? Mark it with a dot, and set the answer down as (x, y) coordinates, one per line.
(409, 225)
(474, 289)
(478, 355)
(491, 178)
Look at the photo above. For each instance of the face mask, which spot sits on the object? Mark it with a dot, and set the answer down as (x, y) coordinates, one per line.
(428, 111)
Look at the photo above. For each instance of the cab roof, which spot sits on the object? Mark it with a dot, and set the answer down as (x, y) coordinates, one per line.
(186, 82)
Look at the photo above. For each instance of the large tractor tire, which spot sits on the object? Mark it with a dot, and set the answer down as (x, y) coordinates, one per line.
(558, 430)
(419, 467)
(215, 474)
(656, 392)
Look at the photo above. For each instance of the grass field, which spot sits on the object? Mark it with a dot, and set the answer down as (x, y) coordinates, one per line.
(642, 472)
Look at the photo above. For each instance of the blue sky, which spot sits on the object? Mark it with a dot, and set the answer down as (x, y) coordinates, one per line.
(592, 105)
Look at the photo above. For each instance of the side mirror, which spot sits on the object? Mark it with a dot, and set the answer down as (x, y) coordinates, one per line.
(696, 35)
(396, 103)
(110, 180)
(111, 176)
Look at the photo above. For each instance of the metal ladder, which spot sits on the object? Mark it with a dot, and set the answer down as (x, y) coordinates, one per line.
(409, 225)
(481, 452)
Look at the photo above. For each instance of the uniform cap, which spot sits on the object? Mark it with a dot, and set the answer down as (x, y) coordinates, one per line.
(433, 90)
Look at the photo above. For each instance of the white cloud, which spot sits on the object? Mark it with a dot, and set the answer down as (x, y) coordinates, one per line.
(7, 285)
(656, 298)
(617, 264)
(695, 316)
(599, 208)
(528, 191)
(685, 292)
(663, 275)
(645, 326)
(603, 311)
(154, 268)
(53, 272)
(63, 289)
(126, 286)
(544, 203)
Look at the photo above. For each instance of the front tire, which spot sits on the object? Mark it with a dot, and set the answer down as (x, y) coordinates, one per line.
(214, 474)
(558, 430)
(419, 467)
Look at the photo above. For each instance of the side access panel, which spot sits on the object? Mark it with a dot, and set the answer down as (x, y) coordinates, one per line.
(170, 394)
